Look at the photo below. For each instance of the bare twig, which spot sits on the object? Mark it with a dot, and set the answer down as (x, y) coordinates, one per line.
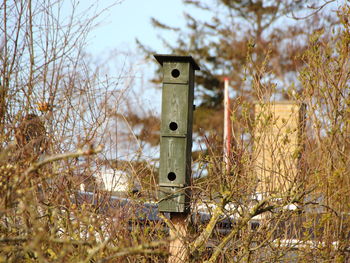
(148, 248)
(50, 159)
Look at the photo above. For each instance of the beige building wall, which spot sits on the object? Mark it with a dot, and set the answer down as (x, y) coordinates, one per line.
(277, 145)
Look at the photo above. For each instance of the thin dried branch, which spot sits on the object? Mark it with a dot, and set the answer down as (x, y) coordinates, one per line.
(35, 166)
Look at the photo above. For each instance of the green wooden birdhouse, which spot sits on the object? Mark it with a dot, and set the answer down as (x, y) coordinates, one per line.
(176, 132)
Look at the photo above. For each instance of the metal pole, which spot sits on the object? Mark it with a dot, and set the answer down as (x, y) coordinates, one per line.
(227, 128)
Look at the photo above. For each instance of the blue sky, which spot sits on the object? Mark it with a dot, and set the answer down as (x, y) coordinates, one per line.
(130, 19)
(118, 28)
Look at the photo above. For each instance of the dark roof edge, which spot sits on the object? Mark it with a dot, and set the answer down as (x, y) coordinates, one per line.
(175, 58)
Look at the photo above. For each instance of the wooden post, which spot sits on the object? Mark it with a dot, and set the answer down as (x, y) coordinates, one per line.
(177, 248)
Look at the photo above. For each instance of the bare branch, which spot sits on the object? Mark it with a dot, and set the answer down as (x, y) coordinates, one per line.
(54, 158)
